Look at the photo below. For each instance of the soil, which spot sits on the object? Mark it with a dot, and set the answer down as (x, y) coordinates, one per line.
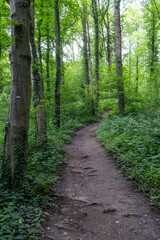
(94, 199)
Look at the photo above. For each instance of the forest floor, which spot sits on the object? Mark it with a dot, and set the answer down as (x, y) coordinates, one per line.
(95, 200)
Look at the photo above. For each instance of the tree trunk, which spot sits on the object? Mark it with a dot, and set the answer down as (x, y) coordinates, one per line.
(39, 37)
(41, 126)
(120, 88)
(96, 26)
(137, 76)
(0, 34)
(153, 44)
(16, 134)
(130, 65)
(108, 43)
(85, 49)
(58, 64)
(62, 67)
(107, 25)
(48, 60)
(91, 72)
(39, 48)
(104, 43)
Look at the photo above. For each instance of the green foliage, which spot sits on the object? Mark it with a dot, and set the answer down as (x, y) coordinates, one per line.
(44, 165)
(135, 141)
(20, 215)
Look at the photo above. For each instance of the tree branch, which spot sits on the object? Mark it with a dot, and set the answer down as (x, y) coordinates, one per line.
(156, 8)
(103, 15)
(146, 7)
(69, 26)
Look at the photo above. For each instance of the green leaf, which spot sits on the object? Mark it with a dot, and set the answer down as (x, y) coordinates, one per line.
(18, 237)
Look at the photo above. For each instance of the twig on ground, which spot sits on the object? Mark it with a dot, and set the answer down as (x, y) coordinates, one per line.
(50, 237)
(92, 204)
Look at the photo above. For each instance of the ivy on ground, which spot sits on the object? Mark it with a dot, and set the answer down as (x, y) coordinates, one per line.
(21, 213)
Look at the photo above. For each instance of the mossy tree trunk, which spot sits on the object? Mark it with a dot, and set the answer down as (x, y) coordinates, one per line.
(85, 49)
(137, 73)
(0, 35)
(120, 87)
(107, 25)
(39, 48)
(58, 64)
(96, 29)
(91, 71)
(48, 58)
(16, 134)
(38, 98)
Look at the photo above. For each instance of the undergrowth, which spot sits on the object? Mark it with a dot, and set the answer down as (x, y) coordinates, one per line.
(21, 212)
(135, 142)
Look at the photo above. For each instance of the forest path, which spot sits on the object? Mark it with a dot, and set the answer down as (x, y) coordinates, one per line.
(95, 201)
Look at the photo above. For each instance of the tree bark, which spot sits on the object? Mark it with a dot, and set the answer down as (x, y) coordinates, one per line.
(39, 48)
(107, 25)
(39, 24)
(153, 48)
(0, 34)
(16, 134)
(137, 74)
(108, 43)
(48, 60)
(62, 67)
(96, 26)
(58, 64)
(85, 49)
(104, 43)
(91, 72)
(130, 66)
(41, 126)
(120, 87)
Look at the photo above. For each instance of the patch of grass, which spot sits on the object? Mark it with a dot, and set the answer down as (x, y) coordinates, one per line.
(135, 142)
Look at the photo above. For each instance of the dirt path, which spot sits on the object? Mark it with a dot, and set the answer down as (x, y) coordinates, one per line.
(96, 201)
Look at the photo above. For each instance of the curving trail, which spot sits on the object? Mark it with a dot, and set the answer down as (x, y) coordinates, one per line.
(95, 201)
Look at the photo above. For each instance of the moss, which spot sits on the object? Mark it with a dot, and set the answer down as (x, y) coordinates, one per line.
(19, 176)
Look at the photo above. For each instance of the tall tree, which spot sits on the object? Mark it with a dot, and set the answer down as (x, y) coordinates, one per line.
(152, 44)
(16, 133)
(0, 34)
(137, 73)
(153, 51)
(58, 63)
(91, 72)
(108, 39)
(120, 87)
(38, 96)
(96, 28)
(85, 48)
(48, 58)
